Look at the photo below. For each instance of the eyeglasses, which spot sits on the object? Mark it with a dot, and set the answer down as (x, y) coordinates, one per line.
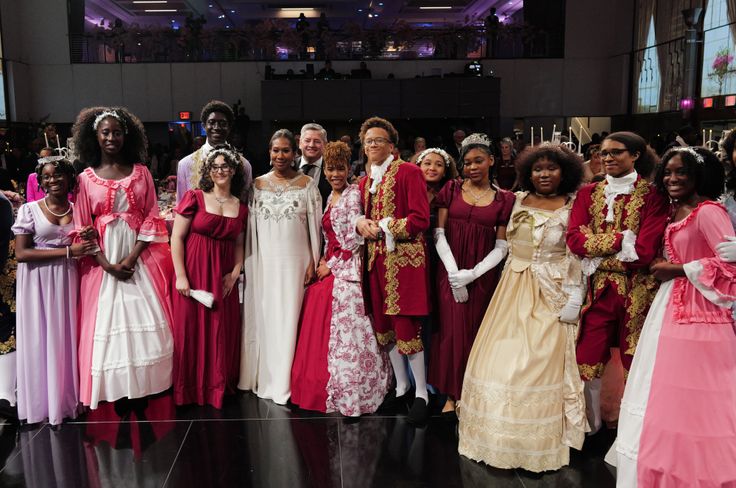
(378, 141)
(222, 124)
(614, 153)
(56, 176)
(220, 169)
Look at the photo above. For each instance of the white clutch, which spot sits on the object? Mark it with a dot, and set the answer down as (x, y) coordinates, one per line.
(204, 297)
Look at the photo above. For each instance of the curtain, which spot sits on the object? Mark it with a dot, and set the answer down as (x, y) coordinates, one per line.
(731, 4)
(644, 13)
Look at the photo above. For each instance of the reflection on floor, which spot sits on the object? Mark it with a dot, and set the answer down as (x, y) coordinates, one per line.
(252, 442)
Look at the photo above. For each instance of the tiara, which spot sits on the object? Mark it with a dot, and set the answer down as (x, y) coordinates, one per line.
(109, 113)
(435, 150)
(698, 157)
(476, 138)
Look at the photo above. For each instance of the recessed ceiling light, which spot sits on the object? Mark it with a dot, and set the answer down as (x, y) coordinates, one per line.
(160, 10)
(232, 11)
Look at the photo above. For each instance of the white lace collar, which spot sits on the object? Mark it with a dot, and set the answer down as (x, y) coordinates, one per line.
(377, 173)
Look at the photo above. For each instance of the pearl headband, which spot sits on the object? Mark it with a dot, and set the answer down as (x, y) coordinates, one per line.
(698, 157)
(436, 150)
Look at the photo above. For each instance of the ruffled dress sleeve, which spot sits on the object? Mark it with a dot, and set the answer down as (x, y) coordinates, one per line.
(348, 264)
(153, 228)
(188, 205)
(713, 278)
(24, 222)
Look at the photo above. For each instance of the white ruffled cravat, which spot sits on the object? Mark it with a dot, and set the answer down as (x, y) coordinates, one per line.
(377, 173)
(615, 187)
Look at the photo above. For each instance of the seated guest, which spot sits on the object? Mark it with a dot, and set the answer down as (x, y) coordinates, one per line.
(207, 246)
(47, 288)
(338, 366)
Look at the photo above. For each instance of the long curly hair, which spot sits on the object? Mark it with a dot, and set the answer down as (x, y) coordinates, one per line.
(232, 159)
(135, 142)
(708, 176)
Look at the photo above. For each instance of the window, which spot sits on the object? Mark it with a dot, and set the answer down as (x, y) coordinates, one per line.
(719, 51)
(650, 80)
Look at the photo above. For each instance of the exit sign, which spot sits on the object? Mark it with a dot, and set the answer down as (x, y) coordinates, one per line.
(185, 115)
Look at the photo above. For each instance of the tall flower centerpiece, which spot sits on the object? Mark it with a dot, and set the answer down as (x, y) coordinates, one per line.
(721, 67)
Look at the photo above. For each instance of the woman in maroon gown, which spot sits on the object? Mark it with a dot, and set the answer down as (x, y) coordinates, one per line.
(207, 249)
(472, 215)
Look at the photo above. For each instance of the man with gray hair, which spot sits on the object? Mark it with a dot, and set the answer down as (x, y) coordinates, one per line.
(312, 141)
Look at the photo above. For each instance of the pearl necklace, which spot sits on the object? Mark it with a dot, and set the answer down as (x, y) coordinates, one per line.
(68, 209)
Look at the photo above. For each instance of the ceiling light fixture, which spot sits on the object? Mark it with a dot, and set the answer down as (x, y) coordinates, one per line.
(159, 10)
(296, 9)
(435, 8)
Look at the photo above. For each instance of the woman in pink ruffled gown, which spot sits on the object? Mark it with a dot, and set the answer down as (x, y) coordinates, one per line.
(678, 416)
(125, 341)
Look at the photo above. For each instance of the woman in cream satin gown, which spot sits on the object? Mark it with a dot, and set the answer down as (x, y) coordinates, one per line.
(522, 401)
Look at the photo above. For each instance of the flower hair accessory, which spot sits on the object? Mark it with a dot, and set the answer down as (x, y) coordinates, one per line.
(109, 113)
(476, 138)
(698, 157)
(436, 150)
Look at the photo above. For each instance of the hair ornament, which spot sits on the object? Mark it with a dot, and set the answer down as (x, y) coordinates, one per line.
(109, 113)
(698, 158)
(436, 150)
(476, 138)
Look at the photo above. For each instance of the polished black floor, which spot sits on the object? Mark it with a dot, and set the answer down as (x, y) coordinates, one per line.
(253, 442)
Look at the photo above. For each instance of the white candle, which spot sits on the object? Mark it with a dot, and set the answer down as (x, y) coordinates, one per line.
(554, 128)
(532, 140)
(45, 136)
(57, 141)
(541, 132)
(580, 139)
(703, 137)
(710, 135)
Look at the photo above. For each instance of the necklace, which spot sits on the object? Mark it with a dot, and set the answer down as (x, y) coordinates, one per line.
(68, 209)
(548, 195)
(221, 201)
(476, 197)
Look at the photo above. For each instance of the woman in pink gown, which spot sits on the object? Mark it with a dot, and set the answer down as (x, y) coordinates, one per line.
(125, 342)
(338, 366)
(677, 426)
(207, 246)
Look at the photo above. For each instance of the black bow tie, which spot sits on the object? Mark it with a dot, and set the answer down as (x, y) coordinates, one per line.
(308, 169)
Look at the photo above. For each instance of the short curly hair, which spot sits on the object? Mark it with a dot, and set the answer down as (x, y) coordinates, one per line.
(380, 123)
(218, 106)
(135, 142)
(708, 175)
(337, 152)
(64, 166)
(570, 163)
(232, 159)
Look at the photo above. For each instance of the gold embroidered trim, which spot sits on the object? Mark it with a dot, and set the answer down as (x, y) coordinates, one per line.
(406, 254)
(398, 229)
(633, 207)
(600, 244)
(601, 278)
(410, 347)
(598, 198)
(643, 289)
(197, 161)
(7, 346)
(386, 337)
(591, 371)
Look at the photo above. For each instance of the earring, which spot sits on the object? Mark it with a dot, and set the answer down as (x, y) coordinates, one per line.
(270, 163)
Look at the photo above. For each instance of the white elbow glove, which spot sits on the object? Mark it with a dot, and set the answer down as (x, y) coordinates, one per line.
(571, 311)
(466, 276)
(443, 250)
(727, 249)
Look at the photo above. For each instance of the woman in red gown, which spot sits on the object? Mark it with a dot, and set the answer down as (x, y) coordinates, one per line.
(207, 249)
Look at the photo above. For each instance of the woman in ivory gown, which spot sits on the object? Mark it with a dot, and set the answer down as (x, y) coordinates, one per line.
(125, 341)
(282, 248)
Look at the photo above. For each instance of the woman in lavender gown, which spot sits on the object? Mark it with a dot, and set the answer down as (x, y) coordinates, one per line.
(46, 287)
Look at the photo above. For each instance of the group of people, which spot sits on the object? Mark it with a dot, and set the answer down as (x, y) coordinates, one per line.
(360, 295)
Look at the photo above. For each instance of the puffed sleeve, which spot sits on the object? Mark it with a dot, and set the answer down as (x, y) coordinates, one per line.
(715, 279)
(24, 223)
(188, 205)
(153, 228)
(444, 197)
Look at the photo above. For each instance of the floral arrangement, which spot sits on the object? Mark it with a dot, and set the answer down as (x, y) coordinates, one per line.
(721, 67)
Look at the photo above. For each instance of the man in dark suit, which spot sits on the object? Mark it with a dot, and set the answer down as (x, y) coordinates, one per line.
(455, 148)
(312, 141)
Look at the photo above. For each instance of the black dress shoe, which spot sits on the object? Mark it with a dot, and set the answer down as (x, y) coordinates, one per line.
(392, 403)
(419, 413)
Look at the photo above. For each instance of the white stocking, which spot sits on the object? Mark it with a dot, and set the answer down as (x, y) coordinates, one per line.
(416, 363)
(7, 377)
(397, 363)
(593, 405)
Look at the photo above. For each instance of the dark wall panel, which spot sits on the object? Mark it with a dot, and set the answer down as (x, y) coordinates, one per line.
(282, 100)
(381, 98)
(432, 97)
(331, 100)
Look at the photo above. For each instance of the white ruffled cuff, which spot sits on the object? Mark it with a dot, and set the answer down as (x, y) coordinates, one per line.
(590, 265)
(390, 242)
(628, 254)
(693, 269)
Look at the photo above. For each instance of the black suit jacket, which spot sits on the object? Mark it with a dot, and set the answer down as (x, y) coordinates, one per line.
(324, 187)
